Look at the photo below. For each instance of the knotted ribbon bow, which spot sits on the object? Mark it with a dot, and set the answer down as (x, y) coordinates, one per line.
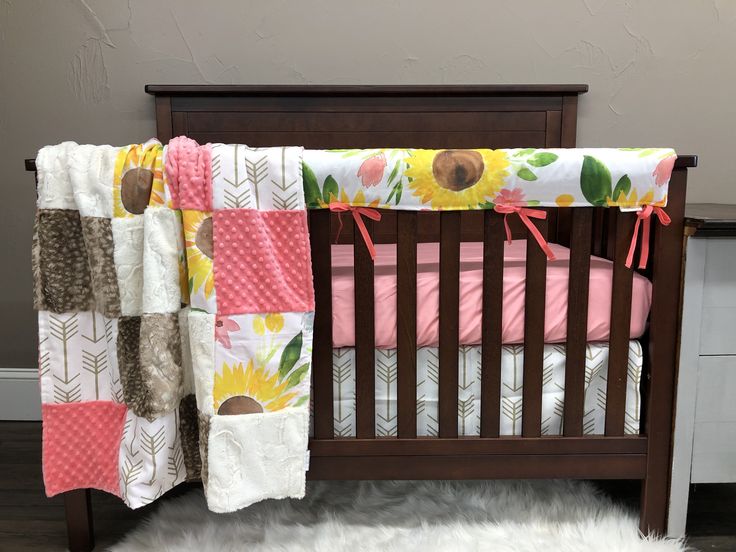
(645, 215)
(340, 207)
(524, 214)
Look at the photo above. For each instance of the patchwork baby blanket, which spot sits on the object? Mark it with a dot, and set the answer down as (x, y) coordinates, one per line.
(175, 302)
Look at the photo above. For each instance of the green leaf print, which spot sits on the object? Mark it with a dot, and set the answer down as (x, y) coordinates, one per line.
(297, 375)
(542, 159)
(595, 181)
(311, 188)
(526, 174)
(290, 356)
(527, 151)
(301, 400)
(396, 191)
(622, 186)
(329, 190)
(394, 172)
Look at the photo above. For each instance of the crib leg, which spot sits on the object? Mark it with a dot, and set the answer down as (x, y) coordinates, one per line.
(653, 513)
(79, 526)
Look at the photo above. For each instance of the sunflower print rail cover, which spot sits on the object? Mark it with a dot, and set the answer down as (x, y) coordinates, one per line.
(418, 179)
(175, 302)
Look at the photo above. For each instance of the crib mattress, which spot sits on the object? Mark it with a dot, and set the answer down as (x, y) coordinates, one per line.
(512, 361)
(471, 293)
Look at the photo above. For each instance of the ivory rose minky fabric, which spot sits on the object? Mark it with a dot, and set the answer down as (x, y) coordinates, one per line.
(175, 303)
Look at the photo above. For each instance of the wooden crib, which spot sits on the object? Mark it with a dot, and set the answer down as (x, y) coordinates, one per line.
(461, 117)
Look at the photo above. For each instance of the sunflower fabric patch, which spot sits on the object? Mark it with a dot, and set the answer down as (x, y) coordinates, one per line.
(261, 362)
(200, 252)
(138, 179)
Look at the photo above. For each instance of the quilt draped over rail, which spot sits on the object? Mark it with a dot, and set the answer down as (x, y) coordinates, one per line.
(175, 302)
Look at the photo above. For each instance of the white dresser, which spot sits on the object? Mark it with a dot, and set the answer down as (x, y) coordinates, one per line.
(705, 420)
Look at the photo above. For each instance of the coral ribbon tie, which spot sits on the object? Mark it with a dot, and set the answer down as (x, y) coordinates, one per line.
(645, 215)
(524, 214)
(340, 207)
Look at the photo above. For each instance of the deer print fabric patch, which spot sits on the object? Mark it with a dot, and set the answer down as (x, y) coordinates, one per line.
(98, 240)
(63, 279)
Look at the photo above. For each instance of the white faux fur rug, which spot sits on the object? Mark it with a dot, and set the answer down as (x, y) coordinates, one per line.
(403, 516)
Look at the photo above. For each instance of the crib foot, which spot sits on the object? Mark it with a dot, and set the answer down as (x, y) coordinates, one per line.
(653, 512)
(79, 525)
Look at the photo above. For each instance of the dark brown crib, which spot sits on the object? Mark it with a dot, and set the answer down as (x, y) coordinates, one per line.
(461, 117)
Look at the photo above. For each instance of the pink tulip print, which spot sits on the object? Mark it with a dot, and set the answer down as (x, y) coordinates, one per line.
(371, 170)
(663, 170)
(223, 327)
(513, 197)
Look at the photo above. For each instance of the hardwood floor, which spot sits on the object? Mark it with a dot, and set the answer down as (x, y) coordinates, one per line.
(30, 521)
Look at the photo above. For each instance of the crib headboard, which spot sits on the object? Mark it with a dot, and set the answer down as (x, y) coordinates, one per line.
(320, 117)
(491, 116)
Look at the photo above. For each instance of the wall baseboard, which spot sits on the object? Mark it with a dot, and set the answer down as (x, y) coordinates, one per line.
(19, 395)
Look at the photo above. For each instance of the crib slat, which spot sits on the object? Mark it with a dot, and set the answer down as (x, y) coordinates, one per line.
(618, 353)
(319, 236)
(406, 322)
(449, 321)
(534, 303)
(365, 329)
(490, 385)
(577, 320)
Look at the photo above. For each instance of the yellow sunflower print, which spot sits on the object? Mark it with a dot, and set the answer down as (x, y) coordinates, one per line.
(182, 254)
(456, 179)
(138, 179)
(358, 200)
(250, 390)
(200, 251)
(632, 200)
(273, 322)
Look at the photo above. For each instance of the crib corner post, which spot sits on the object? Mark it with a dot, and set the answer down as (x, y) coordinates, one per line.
(663, 353)
(79, 523)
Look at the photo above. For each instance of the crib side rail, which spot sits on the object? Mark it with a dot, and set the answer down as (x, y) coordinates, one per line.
(586, 231)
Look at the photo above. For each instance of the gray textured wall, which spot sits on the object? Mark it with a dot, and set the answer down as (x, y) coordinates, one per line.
(661, 72)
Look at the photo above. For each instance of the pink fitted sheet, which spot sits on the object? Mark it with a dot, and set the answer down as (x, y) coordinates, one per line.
(471, 284)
